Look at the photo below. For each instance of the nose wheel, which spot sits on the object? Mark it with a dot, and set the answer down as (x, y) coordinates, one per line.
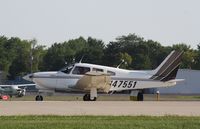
(39, 98)
(86, 97)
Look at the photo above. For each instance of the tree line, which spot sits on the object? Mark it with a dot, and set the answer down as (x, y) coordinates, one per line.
(19, 57)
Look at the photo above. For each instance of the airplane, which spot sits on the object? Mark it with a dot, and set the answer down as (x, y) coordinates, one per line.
(92, 79)
(17, 90)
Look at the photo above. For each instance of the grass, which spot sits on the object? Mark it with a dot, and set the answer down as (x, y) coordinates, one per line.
(99, 122)
(191, 97)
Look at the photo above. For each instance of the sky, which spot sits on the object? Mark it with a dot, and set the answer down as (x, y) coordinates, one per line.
(166, 21)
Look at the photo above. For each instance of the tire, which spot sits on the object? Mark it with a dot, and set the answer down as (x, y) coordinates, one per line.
(140, 96)
(86, 97)
(39, 98)
(95, 98)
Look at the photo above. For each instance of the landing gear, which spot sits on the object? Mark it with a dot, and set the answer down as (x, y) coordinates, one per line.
(86, 97)
(39, 98)
(92, 96)
(140, 96)
(137, 95)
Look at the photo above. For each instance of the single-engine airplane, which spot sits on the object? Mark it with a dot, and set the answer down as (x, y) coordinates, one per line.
(91, 79)
(17, 90)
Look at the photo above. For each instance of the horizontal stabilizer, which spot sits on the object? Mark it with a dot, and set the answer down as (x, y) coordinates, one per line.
(176, 80)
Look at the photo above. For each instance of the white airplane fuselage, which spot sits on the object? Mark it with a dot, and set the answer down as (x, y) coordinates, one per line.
(121, 79)
(97, 78)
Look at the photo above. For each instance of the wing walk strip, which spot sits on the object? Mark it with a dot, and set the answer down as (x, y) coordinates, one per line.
(170, 66)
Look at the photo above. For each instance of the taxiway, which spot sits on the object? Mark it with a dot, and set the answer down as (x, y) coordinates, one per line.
(115, 108)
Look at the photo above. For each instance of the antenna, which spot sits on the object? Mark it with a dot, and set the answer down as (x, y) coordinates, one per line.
(120, 63)
(81, 59)
(73, 61)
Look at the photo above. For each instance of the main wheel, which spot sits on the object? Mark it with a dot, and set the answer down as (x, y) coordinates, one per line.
(39, 98)
(94, 99)
(86, 97)
(140, 96)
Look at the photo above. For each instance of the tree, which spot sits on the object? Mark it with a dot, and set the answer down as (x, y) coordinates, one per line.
(188, 56)
(56, 56)
(59, 53)
(111, 54)
(93, 51)
(196, 61)
(155, 53)
(7, 52)
(37, 53)
(127, 60)
(134, 46)
(15, 56)
(20, 64)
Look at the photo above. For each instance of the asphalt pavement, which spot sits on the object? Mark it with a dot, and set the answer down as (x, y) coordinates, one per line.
(114, 108)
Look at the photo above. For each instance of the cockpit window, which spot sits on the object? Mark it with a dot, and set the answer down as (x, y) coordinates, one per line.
(67, 70)
(111, 73)
(80, 70)
(97, 70)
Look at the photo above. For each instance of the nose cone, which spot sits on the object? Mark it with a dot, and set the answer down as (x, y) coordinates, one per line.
(28, 77)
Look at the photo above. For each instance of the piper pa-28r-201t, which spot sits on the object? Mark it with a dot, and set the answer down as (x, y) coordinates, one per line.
(92, 79)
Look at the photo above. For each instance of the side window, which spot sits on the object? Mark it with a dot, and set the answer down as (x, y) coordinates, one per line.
(80, 70)
(97, 70)
(111, 73)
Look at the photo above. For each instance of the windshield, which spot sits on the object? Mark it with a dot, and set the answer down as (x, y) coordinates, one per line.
(67, 69)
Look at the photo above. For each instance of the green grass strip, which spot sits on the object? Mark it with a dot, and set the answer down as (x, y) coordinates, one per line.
(99, 122)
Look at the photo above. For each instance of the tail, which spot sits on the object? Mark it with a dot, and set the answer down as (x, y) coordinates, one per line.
(168, 69)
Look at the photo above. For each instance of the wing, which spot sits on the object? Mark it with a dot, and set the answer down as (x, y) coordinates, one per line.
(18, 85)
(98, 80)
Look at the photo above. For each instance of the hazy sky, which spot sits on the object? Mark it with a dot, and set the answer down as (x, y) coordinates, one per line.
(49, 21)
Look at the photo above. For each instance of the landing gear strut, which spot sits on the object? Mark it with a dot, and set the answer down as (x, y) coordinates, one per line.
(137, 95)
(39, 98)
(86, 97)
(92, 96)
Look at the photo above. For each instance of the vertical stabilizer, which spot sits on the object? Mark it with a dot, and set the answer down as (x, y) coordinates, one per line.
(168, 69)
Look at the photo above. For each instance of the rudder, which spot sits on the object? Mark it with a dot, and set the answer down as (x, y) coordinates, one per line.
(168, 69)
